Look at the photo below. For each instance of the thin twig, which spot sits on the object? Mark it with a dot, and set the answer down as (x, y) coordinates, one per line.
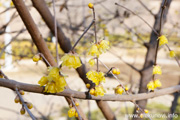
(55, 29)
(82, 35)
(146, 7)
(45, 60)
(79, 116)
(95, 34)
(24, 104)
(139, 17)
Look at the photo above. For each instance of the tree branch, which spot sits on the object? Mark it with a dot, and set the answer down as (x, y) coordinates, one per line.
(12, 84)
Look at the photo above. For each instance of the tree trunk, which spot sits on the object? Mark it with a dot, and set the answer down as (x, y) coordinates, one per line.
(146, 72)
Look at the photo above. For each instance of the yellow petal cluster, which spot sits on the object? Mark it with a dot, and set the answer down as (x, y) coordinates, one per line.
(116, 71)
(93, 51)
(98, 91)
(163, 40)
(54, 81)
(36, 58)
(71, 61)
(157, 70)
(96, 77)
(97, 49)
(91, 62)
(90, 5)
(172, 53)
(154, 84)
(119, 90)
(103, 46)
(71, 112)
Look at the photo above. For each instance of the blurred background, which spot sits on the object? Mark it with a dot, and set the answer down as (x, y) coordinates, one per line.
(127, 35)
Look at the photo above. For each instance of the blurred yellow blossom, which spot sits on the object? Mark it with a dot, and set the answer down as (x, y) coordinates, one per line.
(71, 60)
(71, 112)
(119, 90)
(172, 53)
(157, 83)
(157, 70)
(162, 40)
(93, 51)
(99, 90)
(96, 77)
(150, 85)
(91, 62)
(90, 5)
(54, 81)
(103, 46)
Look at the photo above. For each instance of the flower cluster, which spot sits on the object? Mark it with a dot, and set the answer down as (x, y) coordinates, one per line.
(162, 40)
(54, 81)
(99, 48)
(119, 90)
(71, 61)
(98, 90)
(91, 62)
(157, 70)
(72, 112)
(154, 84)
(95, 77)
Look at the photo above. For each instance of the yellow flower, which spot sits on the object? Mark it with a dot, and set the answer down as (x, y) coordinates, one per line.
(157, 83)
(11, 4)
(71, 60)
(96, 77)
(43, 81)
(103, 46)
(93, 51)
(157, 70)
(106, 32)
(88, 85)
(36, 58)
(126, 88)
(99, 90)
(119, 90)
(71, 112)
(54, 81)
(91, 62)
(116, 71)
(150, 85)
(172, 53)
(92, 91)
(146, 111)
(22, 111)
(30, 105)
(90, 5)
(163, 40)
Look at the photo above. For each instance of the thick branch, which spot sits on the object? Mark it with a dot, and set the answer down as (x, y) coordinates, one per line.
(65, 44)
(12, 84)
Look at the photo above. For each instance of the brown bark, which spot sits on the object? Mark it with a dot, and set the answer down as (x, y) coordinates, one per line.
(64, 42)
(37, 38)
(146, 72)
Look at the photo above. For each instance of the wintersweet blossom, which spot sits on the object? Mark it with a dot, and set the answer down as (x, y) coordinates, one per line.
(157, 70)
(54, 81)
(71, 60)
(154, 84)
(162, 40)
(93, 51)
(172, 53)
(96, 77)
(150, 85)
(119, 90)
(36, 58)
(103, 46)
(157, 83)
(71, 112)
(116, 71)
(98, 90)
(91, 62)
(90, 5)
